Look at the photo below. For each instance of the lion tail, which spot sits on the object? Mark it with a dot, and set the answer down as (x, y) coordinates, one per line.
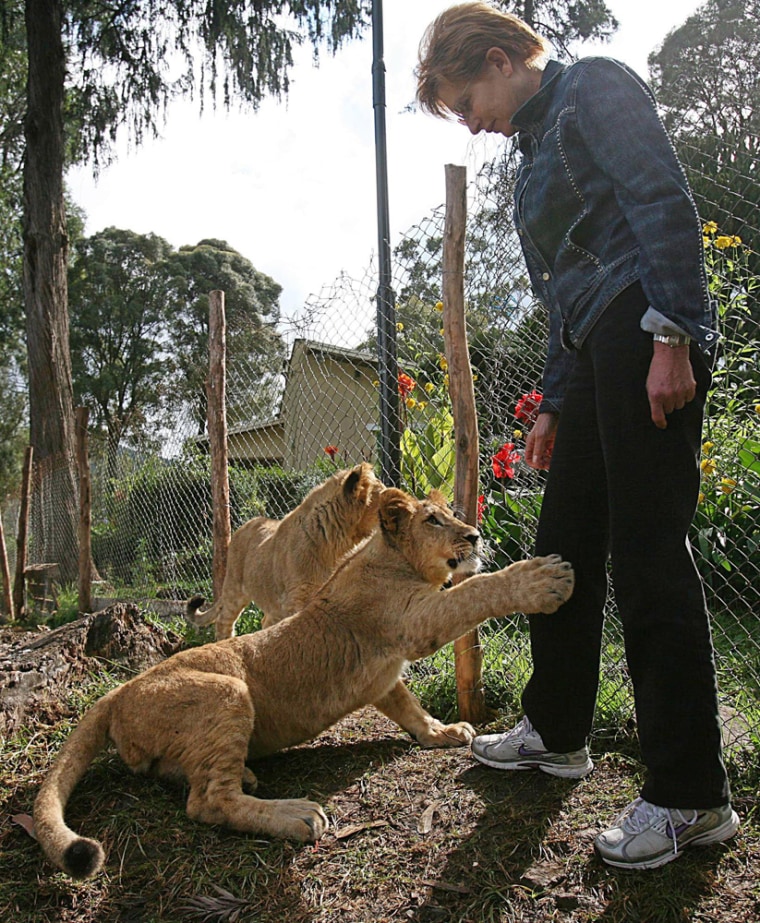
(198, 618)
(75, 855)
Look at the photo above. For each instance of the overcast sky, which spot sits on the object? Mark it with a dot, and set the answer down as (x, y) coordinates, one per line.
(292, 186)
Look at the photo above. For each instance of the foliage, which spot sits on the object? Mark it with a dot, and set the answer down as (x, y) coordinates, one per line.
(121, 364)
(127, 62)
(564, 23)
(152, 524)
(726, 527)
(139, 330)
(705, 76)
(251, 301)
(67, 609)
(427, 451)
(508, 524)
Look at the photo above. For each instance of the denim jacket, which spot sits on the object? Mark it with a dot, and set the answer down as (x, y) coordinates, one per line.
(601, 202)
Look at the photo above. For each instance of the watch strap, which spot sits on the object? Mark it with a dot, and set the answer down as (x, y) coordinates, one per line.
(672, 339)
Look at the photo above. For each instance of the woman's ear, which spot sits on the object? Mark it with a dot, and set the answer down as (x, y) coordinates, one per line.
(500, 59)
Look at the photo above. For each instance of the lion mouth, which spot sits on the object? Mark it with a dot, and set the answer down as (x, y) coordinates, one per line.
(469, 559)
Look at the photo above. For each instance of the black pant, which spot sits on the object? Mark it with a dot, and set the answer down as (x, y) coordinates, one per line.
(620, 488)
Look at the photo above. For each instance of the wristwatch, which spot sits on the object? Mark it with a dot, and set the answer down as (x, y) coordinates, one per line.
(672, 339)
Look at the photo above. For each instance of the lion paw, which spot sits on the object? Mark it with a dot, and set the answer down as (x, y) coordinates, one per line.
(447, 735)
(298, 819)
(545, 584)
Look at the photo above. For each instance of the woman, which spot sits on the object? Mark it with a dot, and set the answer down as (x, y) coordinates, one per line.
(613, 245)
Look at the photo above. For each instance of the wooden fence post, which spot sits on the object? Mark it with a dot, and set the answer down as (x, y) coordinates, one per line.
(7, 609)
(216, 387)
(85, 511)
(19, 585)
(467, 650)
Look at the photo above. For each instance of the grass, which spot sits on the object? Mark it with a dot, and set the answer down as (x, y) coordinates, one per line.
(501, 847)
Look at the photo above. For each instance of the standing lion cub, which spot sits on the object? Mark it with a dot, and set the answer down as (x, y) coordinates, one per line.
(203, 712)
(279, 563)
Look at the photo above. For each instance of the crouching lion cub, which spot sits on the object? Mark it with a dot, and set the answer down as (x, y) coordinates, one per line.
(279, 563)
(203, 712)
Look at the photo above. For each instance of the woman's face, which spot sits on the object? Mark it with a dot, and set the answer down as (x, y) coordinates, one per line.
(489, 100)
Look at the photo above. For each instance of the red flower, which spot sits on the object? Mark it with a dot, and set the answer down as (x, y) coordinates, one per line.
(332, 451)
(406, 384)
(504, 460)
(481, 507)
(527, 407)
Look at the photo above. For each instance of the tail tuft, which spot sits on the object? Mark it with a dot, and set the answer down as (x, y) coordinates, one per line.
(193, 605)
(83, 858)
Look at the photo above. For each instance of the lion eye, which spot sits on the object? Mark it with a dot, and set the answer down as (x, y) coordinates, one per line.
(433, 520)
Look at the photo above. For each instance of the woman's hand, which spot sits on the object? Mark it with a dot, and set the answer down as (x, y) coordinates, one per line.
(540, 442)
(670, 382)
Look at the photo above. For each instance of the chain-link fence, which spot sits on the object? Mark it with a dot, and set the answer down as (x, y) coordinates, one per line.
(152, 513)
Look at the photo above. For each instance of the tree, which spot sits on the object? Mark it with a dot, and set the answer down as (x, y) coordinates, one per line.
(122, 362)
(706, 75)
(139, 332)
(120, 59)
(564, 22)
(255, 350)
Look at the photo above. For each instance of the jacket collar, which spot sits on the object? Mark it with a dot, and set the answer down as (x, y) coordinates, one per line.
(531, 114)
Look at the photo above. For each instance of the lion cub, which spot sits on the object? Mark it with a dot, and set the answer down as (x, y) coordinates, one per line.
(279, 564)
(203, 712)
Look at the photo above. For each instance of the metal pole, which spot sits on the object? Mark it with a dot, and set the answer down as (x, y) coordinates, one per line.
(390, 420)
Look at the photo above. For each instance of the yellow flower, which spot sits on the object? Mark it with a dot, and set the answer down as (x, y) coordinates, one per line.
(706, 446)
(430, 387)
(727, 485)
(421, 405)
(446, 380)
(701, 498)
(439, 306)
(517, 433)
(757, 408)
(710, 228)
(443, 362)
(724, 242)
(399, 326)
(375, 384)
(708, 466)
(474, 377)
(411, 403)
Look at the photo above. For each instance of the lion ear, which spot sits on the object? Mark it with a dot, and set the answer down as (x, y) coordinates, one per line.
(357, 479)
(395, 509)
(352, 480)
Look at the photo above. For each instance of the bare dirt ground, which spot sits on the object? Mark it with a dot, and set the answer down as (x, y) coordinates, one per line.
(416, 835)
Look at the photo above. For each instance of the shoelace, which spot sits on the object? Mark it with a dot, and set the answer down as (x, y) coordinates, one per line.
(521, 730)
(641, 814)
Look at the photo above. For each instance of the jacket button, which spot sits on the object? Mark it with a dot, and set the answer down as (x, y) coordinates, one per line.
(546, 277)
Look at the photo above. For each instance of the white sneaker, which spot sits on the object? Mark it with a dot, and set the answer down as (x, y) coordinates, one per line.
(522, 748)
(646, 836)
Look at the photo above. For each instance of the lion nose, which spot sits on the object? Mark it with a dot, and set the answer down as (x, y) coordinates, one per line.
(473, 538)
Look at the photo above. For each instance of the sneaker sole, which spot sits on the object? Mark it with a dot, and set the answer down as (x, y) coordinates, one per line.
(562, 772)
(709, 837)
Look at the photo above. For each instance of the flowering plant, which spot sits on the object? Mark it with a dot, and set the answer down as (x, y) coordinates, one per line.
(528, 406)
(406, 384)
(504, 460)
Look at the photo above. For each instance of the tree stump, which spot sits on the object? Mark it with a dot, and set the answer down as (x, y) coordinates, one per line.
(39, 669)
